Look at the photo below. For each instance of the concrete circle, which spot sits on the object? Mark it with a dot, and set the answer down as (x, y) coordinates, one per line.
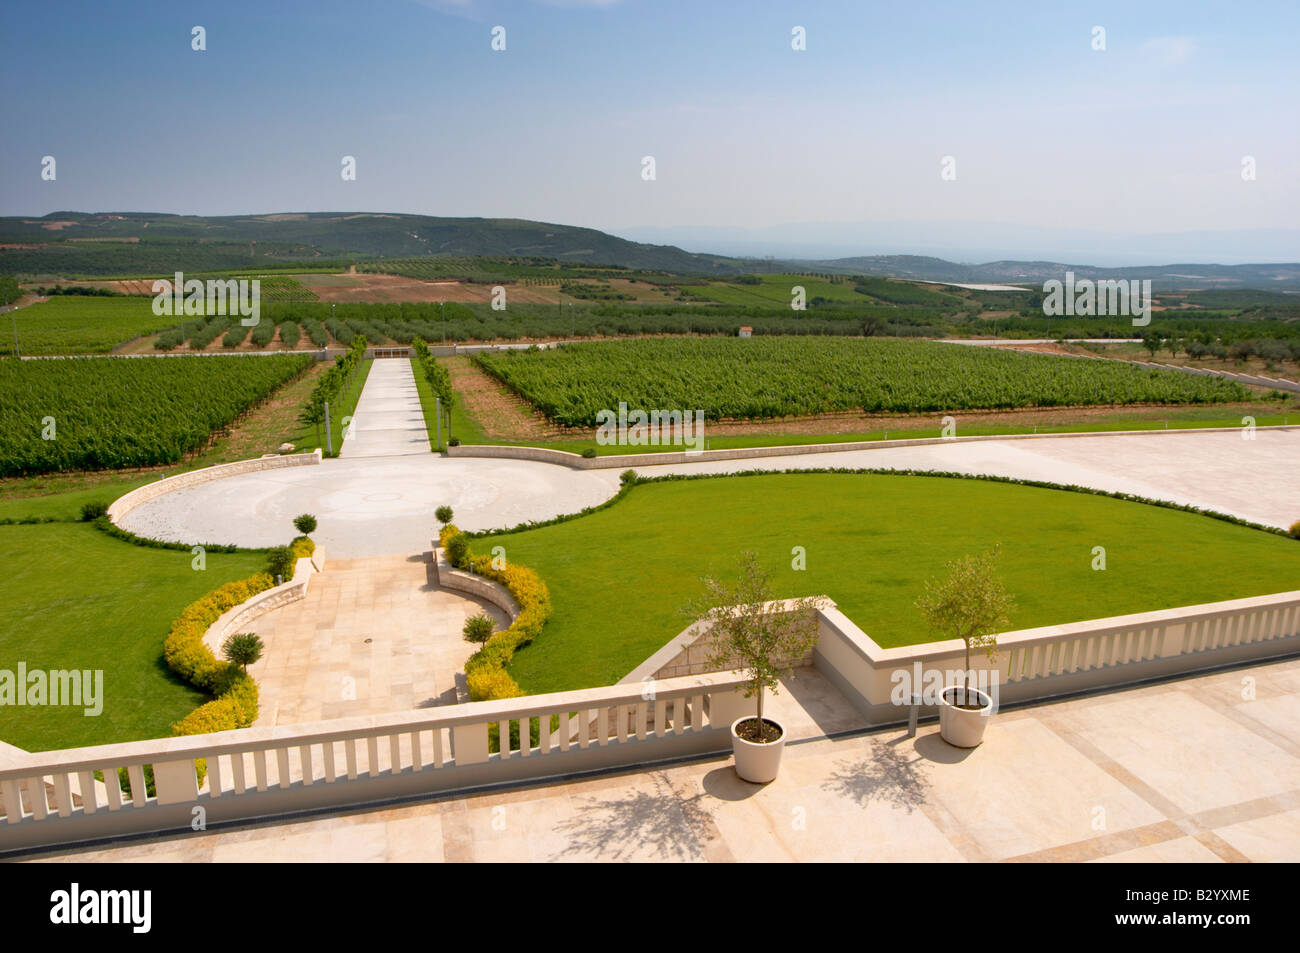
(369, 506)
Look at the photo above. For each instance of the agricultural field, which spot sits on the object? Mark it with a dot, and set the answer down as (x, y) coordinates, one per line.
(109, 413)
(772, 289)
(779, 377)
(79, 325)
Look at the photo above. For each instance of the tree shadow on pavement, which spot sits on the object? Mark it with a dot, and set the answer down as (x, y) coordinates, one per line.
(889, 773)
(655, 823)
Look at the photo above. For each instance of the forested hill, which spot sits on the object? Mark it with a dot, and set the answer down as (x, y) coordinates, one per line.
(145, 243)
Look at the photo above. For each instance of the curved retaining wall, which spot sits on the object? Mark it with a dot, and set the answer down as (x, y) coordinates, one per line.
(468, 582)
(578, 462)
(238, 617)
(151, 491)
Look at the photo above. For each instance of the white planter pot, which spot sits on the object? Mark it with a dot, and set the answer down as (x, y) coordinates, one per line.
(963, 727)
(757, 763)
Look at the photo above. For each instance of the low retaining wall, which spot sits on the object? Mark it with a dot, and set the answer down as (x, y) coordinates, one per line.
(449, 577)
(238, 617)
(691, 652)
(1049, 661)
(151, 491)
(624, 461)
(290, 769)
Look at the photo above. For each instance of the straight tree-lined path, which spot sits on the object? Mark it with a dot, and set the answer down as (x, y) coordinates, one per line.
(388, 420)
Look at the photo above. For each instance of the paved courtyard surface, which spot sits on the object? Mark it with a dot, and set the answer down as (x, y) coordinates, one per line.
(383, 505)
(1213, 775)
(388, 419)
(1252, 479)
(373, 636)
(369, 506)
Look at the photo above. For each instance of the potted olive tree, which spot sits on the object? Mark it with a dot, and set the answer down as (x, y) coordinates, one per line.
(747, 632)
(971, 605)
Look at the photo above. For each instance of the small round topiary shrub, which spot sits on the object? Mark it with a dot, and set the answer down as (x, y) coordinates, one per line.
(242, 649)
(458, 551)
(306, 523)
(454, 442)
(93, 510)
(627, 477)
(443, 514)
(589, 453)
(478, 628)
(279, 562)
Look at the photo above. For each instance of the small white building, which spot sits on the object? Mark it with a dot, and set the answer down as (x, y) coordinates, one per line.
(746, 331)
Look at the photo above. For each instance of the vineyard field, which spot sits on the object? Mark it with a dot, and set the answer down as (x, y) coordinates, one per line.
(107, 413)
(80, 325)
(782, 376)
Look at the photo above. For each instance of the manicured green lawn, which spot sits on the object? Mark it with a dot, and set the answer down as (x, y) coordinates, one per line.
(76, 598)
(618, 577)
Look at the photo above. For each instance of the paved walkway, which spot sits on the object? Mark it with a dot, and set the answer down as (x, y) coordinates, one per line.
(372, 636)
(1213, 775)
(1252, 479)
(371, 506)
(388, 420)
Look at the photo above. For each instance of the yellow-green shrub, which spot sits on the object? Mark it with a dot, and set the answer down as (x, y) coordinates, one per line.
(235, 705)
(490, 682)
(485, 674)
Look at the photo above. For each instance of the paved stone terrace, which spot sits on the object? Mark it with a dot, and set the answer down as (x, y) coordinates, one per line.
(372, 636)
(1202, 769)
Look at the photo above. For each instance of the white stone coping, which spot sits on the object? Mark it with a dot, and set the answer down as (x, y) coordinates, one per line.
(449, 577)
(244, 740)
(687, 639)
(861, 667)
(624, 461)
(237, 617)
(181, 481)
(870, 650)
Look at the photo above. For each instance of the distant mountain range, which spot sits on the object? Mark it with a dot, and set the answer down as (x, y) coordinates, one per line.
(1163, 277)
(352, 235)
(147, 243)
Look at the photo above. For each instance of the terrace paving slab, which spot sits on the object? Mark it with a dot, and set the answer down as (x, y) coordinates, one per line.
(1052, 782)
(372, 636)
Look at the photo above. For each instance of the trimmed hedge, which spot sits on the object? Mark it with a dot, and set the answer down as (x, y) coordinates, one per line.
(485, 672)
(234, 704)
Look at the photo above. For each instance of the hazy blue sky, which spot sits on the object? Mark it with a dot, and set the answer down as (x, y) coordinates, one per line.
(1147, 136)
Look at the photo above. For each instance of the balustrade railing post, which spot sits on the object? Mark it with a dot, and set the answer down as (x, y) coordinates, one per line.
(175, 782)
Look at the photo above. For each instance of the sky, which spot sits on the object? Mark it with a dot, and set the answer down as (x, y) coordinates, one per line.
(840, 144)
